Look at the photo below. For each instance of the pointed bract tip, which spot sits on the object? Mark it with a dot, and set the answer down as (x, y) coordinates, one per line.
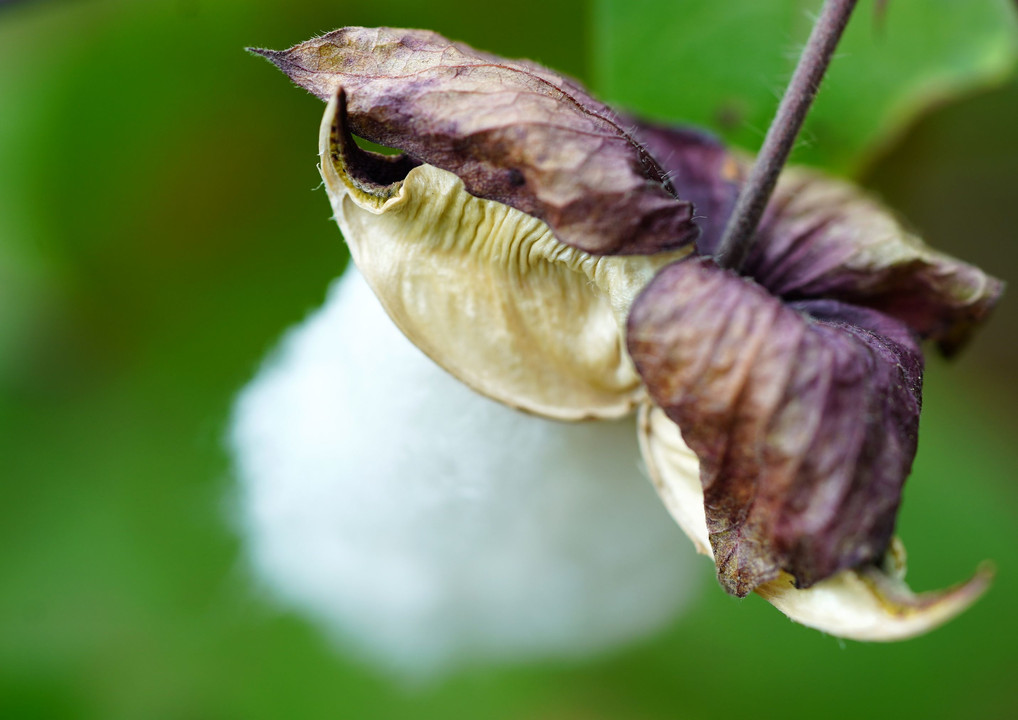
(273, 56)
(869, 605)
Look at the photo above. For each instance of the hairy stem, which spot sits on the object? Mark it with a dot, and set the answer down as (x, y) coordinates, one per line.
(802, 89)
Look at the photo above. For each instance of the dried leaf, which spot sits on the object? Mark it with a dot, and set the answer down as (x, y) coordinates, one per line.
(703, 171)
(822, 237)
(804, 419)
(872, 603)
(513, 132)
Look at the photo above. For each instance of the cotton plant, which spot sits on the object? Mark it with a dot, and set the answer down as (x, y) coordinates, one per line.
(577, 264)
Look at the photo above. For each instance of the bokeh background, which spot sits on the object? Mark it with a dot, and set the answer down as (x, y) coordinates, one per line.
(160, 226)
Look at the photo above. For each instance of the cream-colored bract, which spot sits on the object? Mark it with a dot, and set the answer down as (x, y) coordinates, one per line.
(490, 294)
(870, 604)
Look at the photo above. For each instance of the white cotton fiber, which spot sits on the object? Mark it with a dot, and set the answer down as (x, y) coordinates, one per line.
(424, 526)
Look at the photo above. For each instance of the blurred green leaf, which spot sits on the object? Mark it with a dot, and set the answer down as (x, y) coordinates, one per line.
(724, 65)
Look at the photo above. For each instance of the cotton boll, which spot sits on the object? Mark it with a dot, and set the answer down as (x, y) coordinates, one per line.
(426, 526)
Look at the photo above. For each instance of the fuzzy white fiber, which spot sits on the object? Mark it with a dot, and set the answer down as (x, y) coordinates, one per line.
(423, 526)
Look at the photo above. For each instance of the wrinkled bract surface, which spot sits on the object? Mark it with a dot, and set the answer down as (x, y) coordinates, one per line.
(821, 237)
(486, 290)
(804, 419)
(513, 132)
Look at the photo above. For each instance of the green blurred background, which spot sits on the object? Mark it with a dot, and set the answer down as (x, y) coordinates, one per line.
(160, 226)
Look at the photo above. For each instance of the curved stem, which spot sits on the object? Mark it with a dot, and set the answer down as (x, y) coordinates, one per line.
(802, 89)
